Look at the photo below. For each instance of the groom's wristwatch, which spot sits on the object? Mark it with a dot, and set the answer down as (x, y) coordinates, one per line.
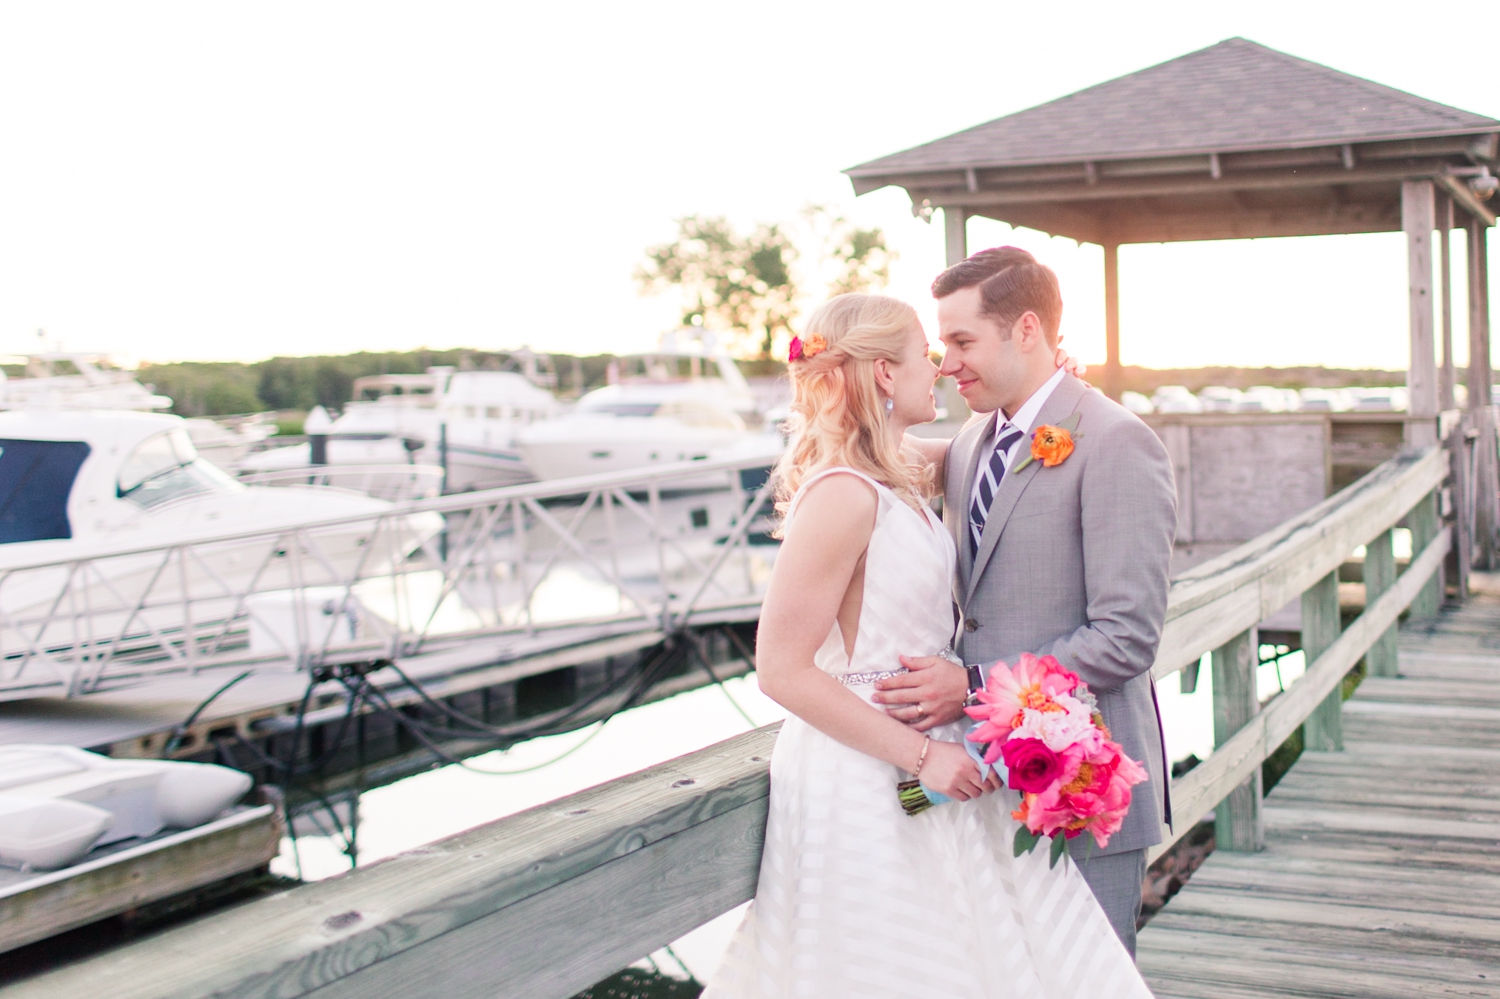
(976, 683)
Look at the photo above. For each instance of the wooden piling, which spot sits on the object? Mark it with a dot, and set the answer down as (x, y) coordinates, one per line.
(1323, 730)
(1237, 821)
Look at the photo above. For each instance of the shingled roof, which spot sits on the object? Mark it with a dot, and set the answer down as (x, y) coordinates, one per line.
(1235, 140)
(1235, 96)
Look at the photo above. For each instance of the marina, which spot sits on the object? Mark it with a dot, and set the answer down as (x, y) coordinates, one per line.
(499, 909)
(460, 576)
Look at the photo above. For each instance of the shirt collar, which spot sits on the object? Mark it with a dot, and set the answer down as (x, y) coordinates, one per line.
(1032, 408)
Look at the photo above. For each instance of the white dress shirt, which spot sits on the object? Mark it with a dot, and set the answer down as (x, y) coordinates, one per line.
(1025, 417)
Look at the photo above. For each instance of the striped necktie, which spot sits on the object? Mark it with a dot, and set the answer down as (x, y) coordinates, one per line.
(988, 482)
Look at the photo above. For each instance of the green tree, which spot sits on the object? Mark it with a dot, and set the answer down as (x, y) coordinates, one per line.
(728, 281)
(753, 284)
(204, 388)
(853, 259)
(286, 383)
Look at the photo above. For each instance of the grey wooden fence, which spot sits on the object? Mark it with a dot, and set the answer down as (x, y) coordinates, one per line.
(543, 903)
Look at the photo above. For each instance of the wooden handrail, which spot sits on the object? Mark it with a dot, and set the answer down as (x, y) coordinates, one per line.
(1203, 787)
(544, 903)
(1216, 600)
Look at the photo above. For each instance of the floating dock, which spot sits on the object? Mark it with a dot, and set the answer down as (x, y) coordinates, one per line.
(130, 874)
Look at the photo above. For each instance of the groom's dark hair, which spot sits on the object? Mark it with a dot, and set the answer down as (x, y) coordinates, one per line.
(1011, 283)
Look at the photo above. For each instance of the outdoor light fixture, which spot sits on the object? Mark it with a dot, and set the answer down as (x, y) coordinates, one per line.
(1484, 185)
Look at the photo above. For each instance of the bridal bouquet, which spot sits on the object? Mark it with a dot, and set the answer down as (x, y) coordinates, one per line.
(1039, 728)
(1041, 721)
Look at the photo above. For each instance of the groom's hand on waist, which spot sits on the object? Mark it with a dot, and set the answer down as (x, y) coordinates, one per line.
(931, 693)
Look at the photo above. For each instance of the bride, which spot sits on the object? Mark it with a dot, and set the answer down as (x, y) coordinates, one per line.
(856, 898)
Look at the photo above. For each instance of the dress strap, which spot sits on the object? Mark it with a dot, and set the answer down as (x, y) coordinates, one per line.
(881, 491)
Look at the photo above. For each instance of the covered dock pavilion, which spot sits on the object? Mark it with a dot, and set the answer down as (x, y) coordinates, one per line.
(1337, 884)
(1240, 141)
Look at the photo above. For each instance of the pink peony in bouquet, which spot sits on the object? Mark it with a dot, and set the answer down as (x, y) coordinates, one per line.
(1040, 721)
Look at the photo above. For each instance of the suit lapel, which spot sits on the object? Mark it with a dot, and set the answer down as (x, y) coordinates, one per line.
(1064, 400)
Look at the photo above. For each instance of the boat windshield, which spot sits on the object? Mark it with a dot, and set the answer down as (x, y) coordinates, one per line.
(35, 480)
(397, 390)
(166, 467)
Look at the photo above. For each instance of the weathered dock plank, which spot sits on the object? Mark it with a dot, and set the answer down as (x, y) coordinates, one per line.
(39, 907)
(1381, 873)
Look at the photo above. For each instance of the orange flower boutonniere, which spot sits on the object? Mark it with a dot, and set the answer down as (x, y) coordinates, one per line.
(1051, 443)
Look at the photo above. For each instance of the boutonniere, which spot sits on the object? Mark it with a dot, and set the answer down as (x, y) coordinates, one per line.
(1051, 443)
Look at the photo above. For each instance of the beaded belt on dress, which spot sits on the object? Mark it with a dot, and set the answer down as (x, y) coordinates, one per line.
(860, 679)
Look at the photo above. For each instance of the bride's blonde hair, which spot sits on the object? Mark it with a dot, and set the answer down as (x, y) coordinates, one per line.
(837, 413)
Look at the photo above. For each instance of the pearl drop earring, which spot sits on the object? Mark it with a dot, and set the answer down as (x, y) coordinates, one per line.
(890, 404)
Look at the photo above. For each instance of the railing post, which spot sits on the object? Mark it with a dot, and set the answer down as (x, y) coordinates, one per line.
(1237, 822)
(1461, 558)
(1380, 575)
(1324, 729)
(1424, 524)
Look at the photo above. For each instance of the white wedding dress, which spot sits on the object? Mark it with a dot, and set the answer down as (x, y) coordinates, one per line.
(858, 899)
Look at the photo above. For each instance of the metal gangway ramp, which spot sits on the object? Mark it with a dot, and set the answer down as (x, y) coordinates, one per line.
(1380, 876)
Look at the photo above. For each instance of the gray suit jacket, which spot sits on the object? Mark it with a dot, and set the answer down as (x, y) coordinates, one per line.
(1074, 561)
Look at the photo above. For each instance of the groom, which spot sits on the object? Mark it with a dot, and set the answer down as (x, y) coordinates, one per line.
(1070, 560)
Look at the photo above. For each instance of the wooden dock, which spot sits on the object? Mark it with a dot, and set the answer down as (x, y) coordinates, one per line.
(1366, 890)
(1380, 876)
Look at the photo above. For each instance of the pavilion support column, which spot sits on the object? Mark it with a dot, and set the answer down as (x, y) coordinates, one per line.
(1481, 408)
(1460, 558)
(1418, 221)
(1446, 397)
(1114, 377)
(956, 228)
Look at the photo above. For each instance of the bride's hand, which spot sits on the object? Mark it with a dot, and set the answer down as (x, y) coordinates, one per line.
(1075, 367)
(949, 769)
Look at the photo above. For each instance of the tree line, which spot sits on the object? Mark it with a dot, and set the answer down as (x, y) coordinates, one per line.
(207, 388)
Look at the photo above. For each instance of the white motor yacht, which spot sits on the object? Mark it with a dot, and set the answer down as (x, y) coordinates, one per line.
(1267, 399)
(226, 441)
(122, 489)
(1323, 400)
(463, 421)
(1175, 399)
(78, 481)
(680, 403)
(1219, 399)
(64, 380)
(1381, 399)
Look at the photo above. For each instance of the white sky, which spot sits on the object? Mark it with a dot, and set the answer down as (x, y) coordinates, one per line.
(206, 180)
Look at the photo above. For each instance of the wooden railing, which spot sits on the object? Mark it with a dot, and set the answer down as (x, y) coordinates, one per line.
(1217, 606)
(544, 903)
